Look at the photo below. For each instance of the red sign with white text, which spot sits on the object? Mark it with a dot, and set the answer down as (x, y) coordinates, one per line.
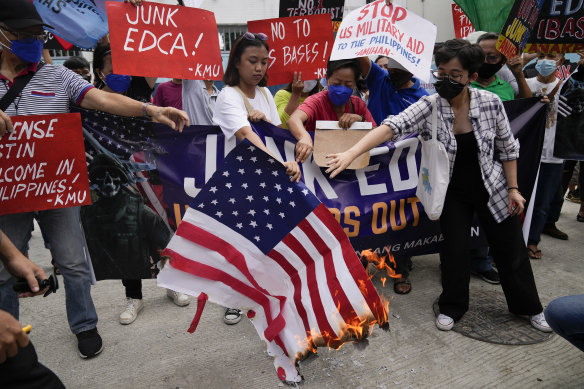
(462, 24)
(297, 44)
(158, 40)
(42, 164)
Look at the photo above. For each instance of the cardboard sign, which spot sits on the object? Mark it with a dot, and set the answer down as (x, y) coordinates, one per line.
(158, 40)
(42, 164)
(314, 7)
(297, 44)
(329, 138)
(462, 24)
(547, 25)
(393, 31)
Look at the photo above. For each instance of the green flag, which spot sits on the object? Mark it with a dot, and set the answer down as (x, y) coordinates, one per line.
(486, 15)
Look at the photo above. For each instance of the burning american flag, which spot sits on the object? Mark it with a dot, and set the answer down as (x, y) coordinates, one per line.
(255, 241)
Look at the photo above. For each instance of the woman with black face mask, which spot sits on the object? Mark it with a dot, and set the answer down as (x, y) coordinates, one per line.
(482, 155)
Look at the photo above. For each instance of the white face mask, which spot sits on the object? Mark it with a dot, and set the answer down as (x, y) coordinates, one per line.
(309, 85)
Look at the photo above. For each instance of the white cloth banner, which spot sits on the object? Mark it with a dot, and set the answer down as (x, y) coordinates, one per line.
(393, 31)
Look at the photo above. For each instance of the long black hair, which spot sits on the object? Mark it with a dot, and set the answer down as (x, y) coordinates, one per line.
(231, 76)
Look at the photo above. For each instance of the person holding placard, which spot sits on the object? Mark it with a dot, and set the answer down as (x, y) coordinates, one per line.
(56, 87)
(337, 103)
(245, 99)
(482, 154)
(294, 94)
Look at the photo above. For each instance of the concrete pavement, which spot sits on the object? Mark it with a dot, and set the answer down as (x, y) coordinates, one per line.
(157, 352)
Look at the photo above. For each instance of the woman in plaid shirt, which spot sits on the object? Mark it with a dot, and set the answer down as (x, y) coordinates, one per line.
(483, 153)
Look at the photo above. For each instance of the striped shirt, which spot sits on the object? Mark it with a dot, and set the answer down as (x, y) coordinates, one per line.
(50, 91)
(492, 132)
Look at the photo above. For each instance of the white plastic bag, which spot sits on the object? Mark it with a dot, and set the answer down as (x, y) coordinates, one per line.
(434, 171)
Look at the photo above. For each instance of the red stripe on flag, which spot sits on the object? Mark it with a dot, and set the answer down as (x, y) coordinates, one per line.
(359, 274)
(210, 273)
(325, 328)
(337, 293)
(295, 278)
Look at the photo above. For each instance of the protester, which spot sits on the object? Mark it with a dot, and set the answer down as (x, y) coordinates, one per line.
(390, 92)
(546, 211)
(488, 79)
(467, 118)
(337, 103)
(565, 316)
(140, 89)
(199, 98)
(21, 38)
(80, 66)
(19, 365)
(169, 94)
(245, 99)
(290, 97)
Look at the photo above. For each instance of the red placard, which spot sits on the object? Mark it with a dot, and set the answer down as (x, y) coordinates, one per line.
(158, 40)
(462, 24)
(42, 164)
(297, 44)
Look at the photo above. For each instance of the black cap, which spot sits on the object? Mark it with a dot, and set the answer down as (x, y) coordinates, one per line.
(20, 14)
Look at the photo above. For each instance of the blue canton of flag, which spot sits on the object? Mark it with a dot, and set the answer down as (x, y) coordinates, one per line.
(254, 196)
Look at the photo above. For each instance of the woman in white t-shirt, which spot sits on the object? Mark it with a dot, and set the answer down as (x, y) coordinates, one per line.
(245, 99)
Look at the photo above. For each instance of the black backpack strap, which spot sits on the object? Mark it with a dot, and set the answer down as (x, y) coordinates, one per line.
(16, 88)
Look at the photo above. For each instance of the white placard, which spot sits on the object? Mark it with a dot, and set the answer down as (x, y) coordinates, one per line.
(393, 31)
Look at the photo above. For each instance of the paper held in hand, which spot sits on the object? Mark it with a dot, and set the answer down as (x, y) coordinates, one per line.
(394, 31)
(329, 138)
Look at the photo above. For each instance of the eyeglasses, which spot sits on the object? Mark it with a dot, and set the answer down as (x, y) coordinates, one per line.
(251, 36)
(438, 75)
(27, 35)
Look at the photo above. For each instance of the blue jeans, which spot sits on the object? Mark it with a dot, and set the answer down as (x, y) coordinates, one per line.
(566, 316)
(480, 261)
(549, 180)
(63, 229)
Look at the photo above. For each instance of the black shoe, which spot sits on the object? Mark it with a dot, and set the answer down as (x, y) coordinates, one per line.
(89, 343)
(552, 230)
(490, 276)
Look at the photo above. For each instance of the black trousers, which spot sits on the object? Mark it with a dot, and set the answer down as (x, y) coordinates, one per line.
(508, 250)
(23, 371)
(133, 288)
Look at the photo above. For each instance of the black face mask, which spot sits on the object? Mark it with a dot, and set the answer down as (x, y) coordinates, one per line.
(448, 89)
(87, 78)
(487, 70)
(399, 77)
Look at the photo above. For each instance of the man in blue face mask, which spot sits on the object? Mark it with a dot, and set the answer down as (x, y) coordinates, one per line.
(52, 89)
(547, 206)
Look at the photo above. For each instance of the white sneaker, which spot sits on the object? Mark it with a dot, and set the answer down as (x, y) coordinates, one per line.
(179, 299)
(538, 322)
(133, 307)
(444, 323)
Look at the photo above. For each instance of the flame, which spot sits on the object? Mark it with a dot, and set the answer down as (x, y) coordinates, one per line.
(381, 263)
(383, 279)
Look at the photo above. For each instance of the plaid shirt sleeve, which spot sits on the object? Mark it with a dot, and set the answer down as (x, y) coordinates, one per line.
(506, 144)
(410, 120)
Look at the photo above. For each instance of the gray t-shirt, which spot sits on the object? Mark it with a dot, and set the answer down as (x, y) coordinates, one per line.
(197, 103)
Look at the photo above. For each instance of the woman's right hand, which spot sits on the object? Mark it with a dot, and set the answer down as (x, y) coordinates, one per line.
(303, 147)
(297, 84)
(339, 162)
(5, 124)
(256, 116)
(293, 170)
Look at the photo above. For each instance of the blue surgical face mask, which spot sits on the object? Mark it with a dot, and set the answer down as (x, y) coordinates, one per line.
(118, 82)
(339, 94)
(545, 67)
(29, 50)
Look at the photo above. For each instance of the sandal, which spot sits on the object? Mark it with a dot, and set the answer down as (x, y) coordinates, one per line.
(402, 281)
(533, 254)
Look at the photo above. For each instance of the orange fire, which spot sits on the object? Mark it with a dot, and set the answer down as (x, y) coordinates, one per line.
(381, 263)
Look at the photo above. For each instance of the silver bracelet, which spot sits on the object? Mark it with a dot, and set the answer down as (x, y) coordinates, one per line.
(145, 110)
